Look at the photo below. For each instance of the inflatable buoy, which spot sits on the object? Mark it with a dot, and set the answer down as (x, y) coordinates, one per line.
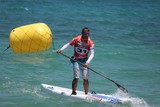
(31, 38)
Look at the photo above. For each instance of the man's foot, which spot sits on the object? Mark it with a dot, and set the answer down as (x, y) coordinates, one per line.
(73, 93)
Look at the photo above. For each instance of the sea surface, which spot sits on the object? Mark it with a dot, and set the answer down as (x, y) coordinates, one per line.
(126, 34)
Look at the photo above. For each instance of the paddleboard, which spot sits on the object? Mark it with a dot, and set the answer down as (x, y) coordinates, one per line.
(80, 95)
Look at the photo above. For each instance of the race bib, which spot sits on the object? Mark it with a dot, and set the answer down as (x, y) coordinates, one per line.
(81, 50)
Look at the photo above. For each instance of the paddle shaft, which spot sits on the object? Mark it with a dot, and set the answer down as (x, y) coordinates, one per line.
(120, 86)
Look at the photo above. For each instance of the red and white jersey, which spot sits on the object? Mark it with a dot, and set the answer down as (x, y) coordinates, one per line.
(81, 49)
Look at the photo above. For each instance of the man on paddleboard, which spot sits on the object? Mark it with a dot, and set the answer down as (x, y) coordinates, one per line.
(83, 45)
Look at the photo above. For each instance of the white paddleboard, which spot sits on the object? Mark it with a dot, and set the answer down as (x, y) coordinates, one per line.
(80, 95)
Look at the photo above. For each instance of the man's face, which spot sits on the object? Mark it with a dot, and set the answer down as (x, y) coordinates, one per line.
(85, 34)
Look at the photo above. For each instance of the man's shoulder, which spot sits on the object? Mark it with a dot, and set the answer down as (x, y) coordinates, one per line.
(91, 41)
(78, 37)
(75, 39)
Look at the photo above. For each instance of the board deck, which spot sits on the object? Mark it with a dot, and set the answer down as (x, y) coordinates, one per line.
(80, 95)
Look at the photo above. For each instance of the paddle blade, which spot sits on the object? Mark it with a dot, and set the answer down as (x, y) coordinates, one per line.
(122, 88)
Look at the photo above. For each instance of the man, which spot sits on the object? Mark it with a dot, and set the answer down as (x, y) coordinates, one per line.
(83, 45)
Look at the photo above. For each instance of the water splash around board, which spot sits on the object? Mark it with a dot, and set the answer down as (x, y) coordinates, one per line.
(134, 101)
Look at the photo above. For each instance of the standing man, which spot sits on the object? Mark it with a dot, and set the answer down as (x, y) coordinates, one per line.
(83, 45)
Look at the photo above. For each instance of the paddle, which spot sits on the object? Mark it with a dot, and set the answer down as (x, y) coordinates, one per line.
(118, 85)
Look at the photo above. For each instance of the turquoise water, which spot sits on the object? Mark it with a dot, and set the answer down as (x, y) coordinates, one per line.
(127, 50)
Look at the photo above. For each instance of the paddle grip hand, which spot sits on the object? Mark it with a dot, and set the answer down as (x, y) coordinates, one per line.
(58, 51)
(86, 65)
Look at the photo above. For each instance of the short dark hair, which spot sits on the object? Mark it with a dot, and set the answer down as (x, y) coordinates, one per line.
(85, 28)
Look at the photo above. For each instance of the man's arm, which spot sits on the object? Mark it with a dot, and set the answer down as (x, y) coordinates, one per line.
(90, 57)
(63, 48)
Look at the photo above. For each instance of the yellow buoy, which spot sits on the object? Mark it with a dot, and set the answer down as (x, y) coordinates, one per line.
(31, 38)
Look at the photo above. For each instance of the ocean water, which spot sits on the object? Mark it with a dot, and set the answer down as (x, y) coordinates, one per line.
(126, 34)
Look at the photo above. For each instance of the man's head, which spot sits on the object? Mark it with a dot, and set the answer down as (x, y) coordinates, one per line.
(85, 33)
